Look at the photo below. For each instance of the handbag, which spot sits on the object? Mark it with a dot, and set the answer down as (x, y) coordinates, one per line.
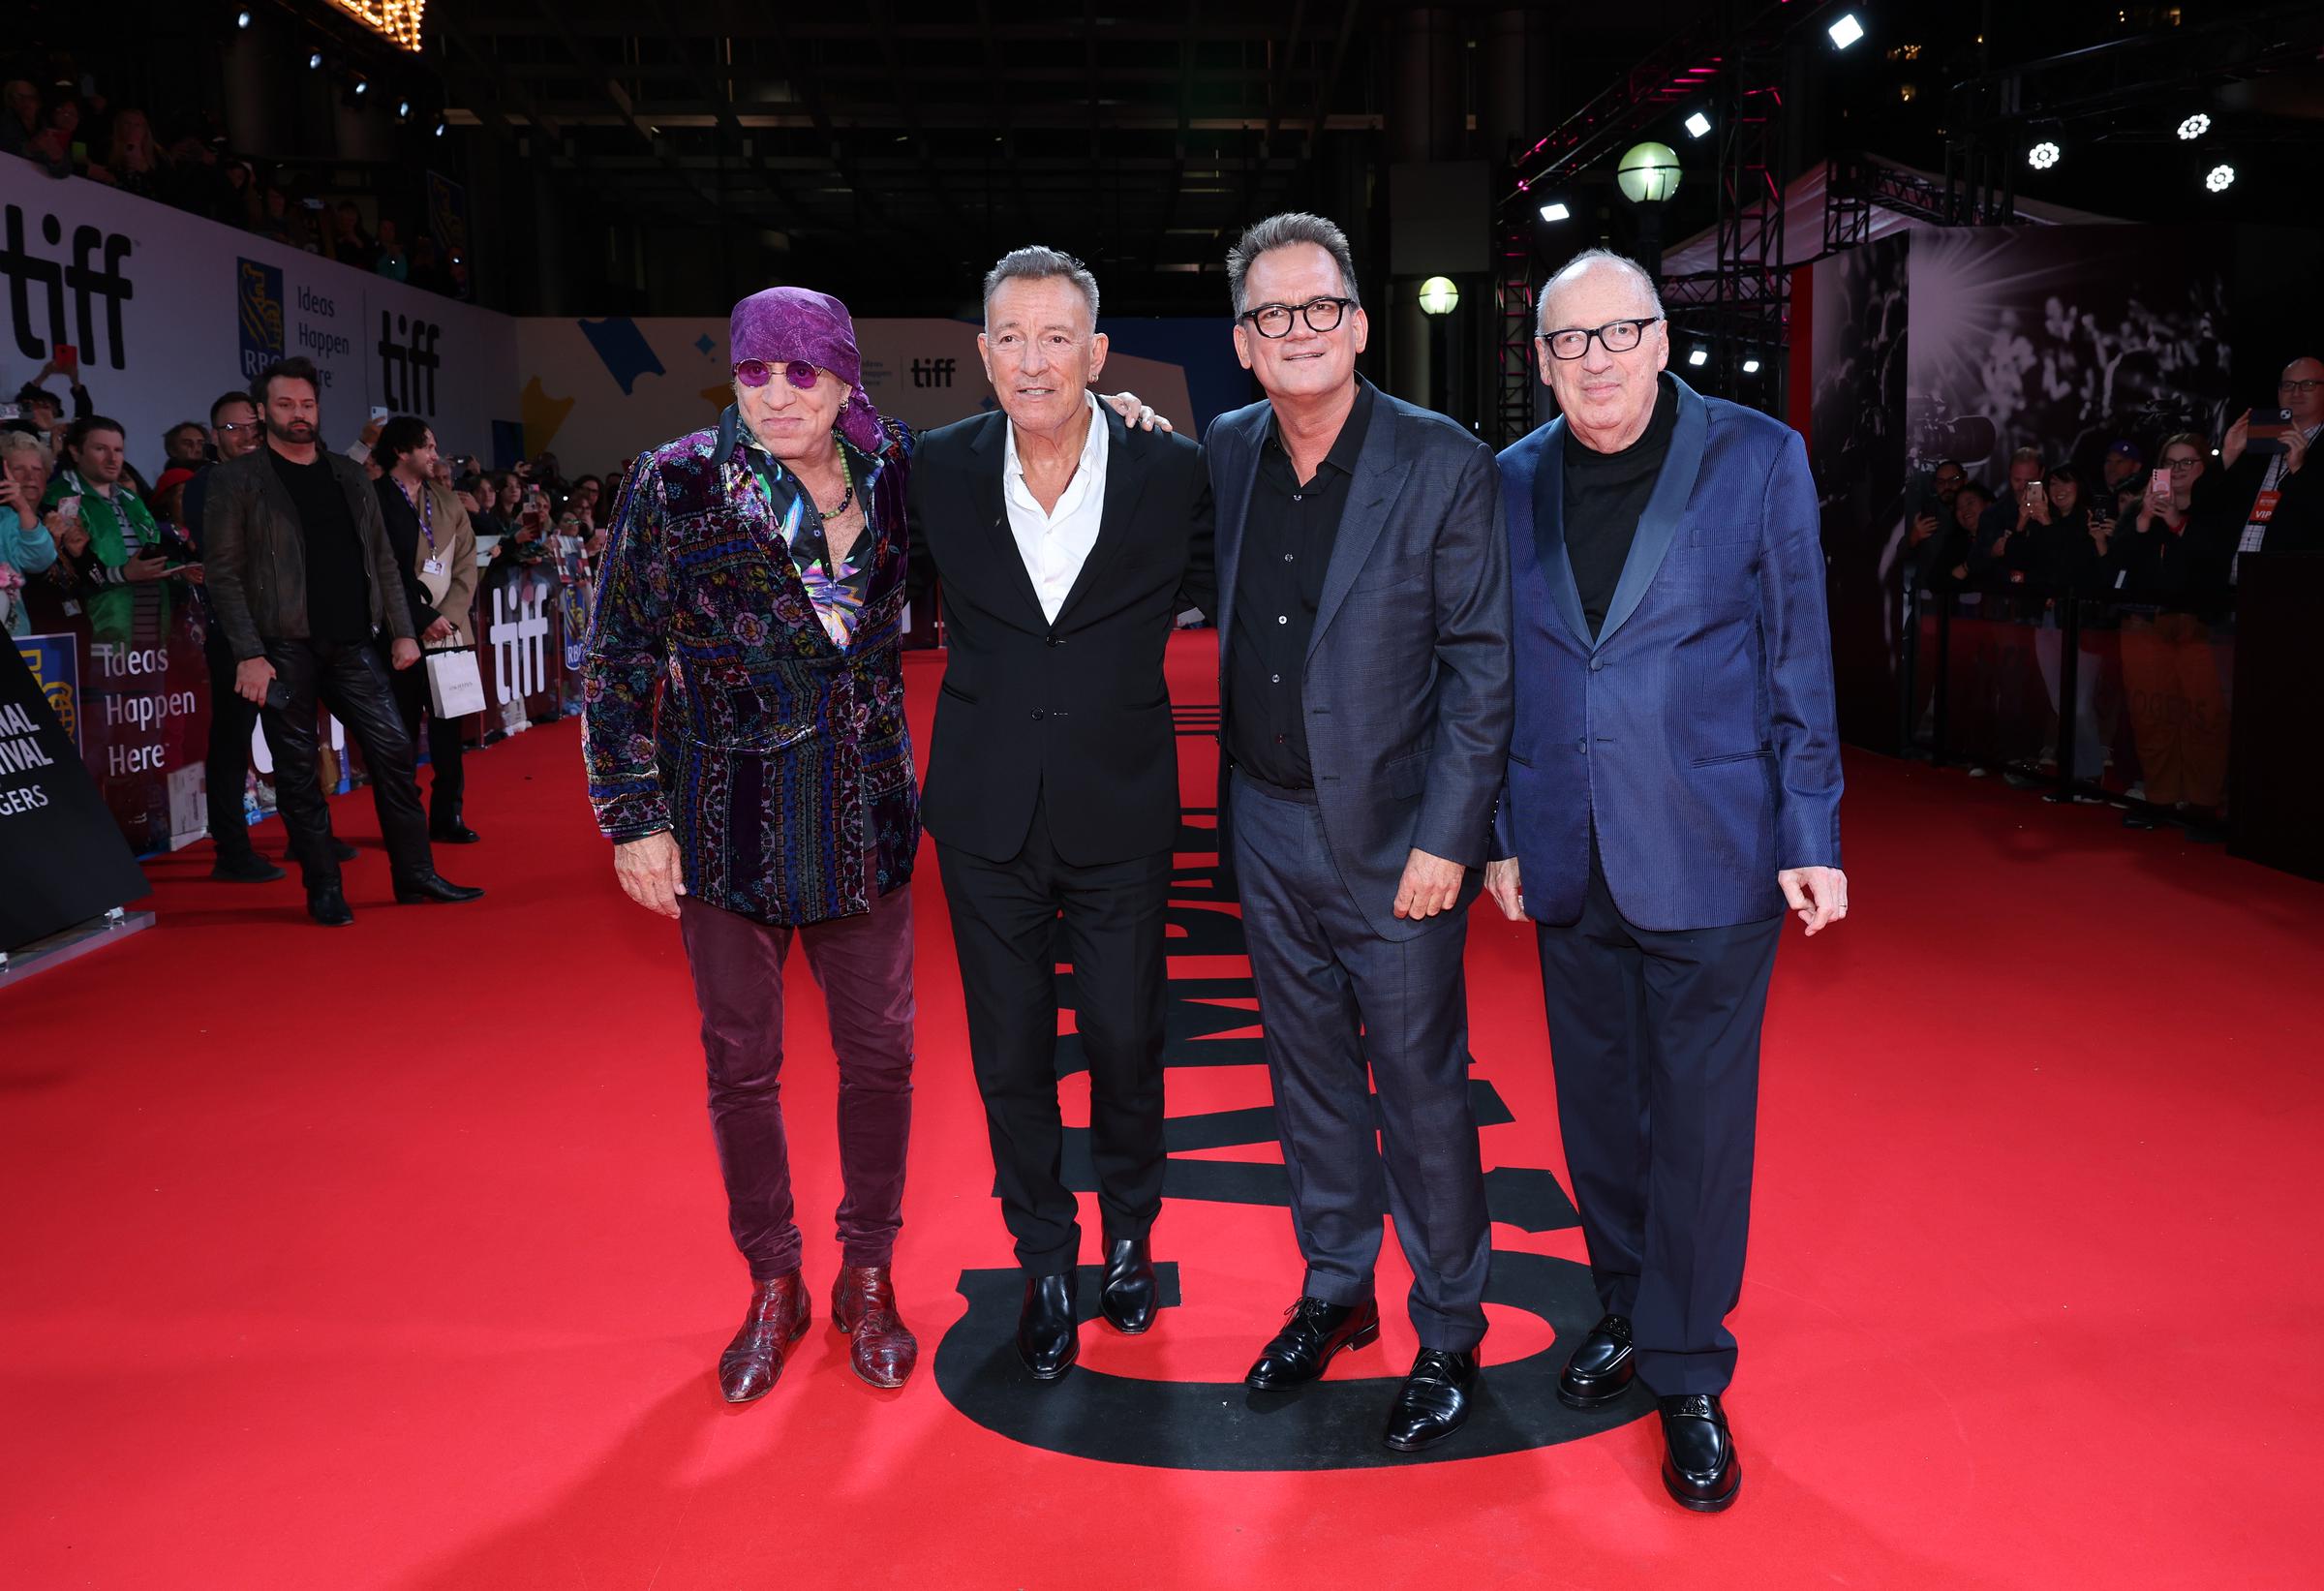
(455, 684)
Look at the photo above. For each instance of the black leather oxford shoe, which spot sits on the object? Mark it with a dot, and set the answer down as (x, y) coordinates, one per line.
(1313, 1332)
(328, 906)
(1700, 1467)
(1601, 1369)
(431, 887)
(1130, 1293)
(1435, 1401)
(1049, 1332)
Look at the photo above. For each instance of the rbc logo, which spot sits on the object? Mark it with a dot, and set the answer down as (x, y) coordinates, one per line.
(259, 314)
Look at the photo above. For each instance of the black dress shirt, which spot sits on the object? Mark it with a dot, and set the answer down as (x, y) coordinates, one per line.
(338, 588)
(1605, 496)
(1287, 543)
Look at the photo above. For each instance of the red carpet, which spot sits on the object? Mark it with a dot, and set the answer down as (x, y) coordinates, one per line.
(311, 1285)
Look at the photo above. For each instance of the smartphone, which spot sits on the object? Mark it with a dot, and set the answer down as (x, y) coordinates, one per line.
(2267, 428)
(10, 411)
(2159, 482)
(69, 507)
(379, 413)
(68, 359)
(278, 694)
(310, 204)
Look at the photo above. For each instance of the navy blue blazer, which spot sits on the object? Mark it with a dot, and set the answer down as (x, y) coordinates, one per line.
(1407, 687)
(1697, 731)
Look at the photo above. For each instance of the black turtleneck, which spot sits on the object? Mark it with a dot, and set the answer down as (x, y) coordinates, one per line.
(1605, 494)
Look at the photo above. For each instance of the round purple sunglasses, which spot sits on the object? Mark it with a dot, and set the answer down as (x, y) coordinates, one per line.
(758, 372)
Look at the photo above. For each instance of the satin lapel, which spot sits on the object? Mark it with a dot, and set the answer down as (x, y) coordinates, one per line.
(1658, 526)
(1231, 489)
(992, 511)
(1125, 466)
(1549, 530)
(1379, 475)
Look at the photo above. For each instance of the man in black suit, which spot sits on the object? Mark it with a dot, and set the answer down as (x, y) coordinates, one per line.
(1066, 543)
(1365, 676)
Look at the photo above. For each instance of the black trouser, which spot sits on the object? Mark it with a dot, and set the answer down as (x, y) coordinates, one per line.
(350, 679)
(231, 720)
(1654, 1038)
(1005, 927)
(443, 744)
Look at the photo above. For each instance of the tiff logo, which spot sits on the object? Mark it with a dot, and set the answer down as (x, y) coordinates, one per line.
(83, 282)
(933, 372)
(407, 363)
(520, 644)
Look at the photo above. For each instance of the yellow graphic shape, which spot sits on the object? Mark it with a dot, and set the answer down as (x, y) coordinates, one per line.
(541, 416)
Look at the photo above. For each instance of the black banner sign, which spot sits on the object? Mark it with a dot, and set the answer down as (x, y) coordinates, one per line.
(62, 858)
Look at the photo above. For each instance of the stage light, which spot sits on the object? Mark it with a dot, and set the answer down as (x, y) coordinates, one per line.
(1648, 173)
(241, 19)
(2043, 156)
(1555, 210)
(403, 111)
(363, 87)
(1696, 124)
(315, 61)
(1439, 295)
(1751, 367)
(2194, 127)
(2219, 178)
(1846, 31)
(439, 129)
(1698, 356)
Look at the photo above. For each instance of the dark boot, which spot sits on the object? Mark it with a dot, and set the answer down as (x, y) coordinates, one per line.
(862, 1305)
(753, 1361)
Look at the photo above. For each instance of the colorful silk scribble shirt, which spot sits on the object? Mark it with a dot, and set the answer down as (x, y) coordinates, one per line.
(834, 586)
(720, 705)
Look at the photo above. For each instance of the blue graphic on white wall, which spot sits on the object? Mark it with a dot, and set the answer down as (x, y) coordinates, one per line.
(624, 349)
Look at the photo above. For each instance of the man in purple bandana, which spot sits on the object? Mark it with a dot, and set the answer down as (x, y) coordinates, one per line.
(747, 754)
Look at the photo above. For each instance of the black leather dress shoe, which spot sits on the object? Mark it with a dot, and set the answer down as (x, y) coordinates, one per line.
(244, 868)
(1313, 1332)
(1049, 1334)
(1601, 1369)
(340, 851)
(429, 886)
(1435, 1401)
(1700, 1467)
(328, 906)
(455, 832)
(1130, 1292)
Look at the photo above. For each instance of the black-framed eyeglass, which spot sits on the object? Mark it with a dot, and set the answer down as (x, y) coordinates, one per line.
(232, 427)
(1617, 336)
(1320, 314)
(2299, 388)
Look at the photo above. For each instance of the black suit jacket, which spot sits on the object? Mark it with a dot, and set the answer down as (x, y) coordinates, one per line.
(1074, 714)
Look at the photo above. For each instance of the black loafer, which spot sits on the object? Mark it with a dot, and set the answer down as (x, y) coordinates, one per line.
(244, 868)
(1601, 1369)
(328, 906)
(1435, 1401)
(1048, 1327)
(1313, 1332)
(1129, 1297)
(1700, 1467)
(428, 887)
(453, 834)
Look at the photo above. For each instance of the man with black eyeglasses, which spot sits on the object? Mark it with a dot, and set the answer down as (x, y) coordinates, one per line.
(2260, 497)
(1364, 623)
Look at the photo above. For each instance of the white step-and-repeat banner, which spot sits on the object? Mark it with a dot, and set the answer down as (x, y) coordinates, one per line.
(166, 311)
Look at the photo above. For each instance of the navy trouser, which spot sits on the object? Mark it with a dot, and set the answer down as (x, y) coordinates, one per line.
(1333, 997)
(1655, 1039)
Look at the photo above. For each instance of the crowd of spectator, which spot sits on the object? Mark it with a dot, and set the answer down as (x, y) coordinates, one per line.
(70, 128)
(2142, 558)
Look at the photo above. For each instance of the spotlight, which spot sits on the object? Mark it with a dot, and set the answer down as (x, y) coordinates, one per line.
(241, 19)
(1846, 31)
(1439, 295)
(315, 61)
(363, 87)
(1696, 124)
(439, 129)
(1555, 210)
(2219, 178)
(1698, 356)
(1751, 367)
(2043, 156)
(2194, 127)
(403, 111)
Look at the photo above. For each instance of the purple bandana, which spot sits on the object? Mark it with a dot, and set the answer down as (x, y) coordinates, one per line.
(783, 323)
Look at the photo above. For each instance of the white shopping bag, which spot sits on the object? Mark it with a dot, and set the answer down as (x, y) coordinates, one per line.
(455, 684)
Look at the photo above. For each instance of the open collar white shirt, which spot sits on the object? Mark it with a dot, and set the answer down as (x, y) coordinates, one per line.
(1054, 545)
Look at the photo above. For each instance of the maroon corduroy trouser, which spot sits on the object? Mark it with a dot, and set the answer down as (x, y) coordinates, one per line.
(864, 966)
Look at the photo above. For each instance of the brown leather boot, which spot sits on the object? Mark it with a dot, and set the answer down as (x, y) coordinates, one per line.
(777, 1318)
(862, 1305)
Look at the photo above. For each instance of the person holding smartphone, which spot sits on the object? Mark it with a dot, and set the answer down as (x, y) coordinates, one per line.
(2261, 489)
(2174, 582)
(125, 551)
(27, 543)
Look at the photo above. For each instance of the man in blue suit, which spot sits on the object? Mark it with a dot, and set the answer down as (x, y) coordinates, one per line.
(1673, 784)
(1364, 680)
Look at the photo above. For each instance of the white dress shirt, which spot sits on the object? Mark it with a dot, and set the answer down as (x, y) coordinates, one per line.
(1055, 545)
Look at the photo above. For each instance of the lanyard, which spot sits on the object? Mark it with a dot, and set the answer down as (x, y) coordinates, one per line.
(425, 505)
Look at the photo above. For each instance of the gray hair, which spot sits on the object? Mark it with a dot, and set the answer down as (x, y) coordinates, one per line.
(12, 443)
(1283, 231)
(1582, 261)
(1035, 263)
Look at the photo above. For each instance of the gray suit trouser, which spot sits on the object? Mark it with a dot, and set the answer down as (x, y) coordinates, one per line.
(1332, 994)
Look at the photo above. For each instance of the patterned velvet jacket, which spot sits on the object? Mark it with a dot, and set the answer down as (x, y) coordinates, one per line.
(718, 708)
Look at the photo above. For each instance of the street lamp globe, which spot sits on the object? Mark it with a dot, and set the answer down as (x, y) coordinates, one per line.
(1439, 295)
(1648, 174)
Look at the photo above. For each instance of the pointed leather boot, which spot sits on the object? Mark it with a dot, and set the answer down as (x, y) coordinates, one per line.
(777, 1318)
(862, 1305)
